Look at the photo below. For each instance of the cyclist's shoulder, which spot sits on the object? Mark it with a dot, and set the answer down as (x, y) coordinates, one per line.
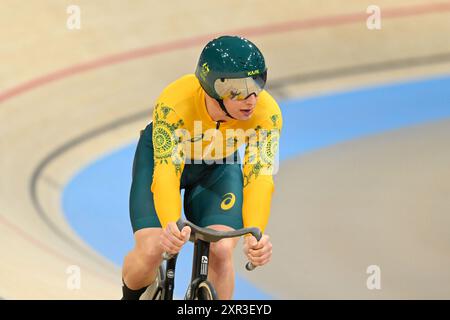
(268, 103)
(179, 90)
(177, 98)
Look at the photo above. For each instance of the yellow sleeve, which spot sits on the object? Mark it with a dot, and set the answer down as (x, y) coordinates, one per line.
(260, 163)
(169, 164)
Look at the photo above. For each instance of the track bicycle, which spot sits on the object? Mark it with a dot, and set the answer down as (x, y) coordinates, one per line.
(199, 287)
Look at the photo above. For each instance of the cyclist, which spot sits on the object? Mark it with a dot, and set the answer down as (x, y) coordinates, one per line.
(192, 144)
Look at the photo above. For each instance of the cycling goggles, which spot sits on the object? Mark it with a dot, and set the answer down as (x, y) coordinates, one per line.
(240, 88)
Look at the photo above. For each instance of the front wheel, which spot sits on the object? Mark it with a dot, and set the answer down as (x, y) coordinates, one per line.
(205, 291)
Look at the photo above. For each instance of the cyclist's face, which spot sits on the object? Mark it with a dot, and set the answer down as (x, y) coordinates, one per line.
(241, 109)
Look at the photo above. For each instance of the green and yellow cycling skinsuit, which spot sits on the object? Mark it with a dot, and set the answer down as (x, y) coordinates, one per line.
(216, 192)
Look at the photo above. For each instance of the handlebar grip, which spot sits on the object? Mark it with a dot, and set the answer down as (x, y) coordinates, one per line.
(181, 224)
(257, 235)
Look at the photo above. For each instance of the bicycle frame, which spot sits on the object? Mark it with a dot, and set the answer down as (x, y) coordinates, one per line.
(199, 267)
(199, 271)
(169, 278)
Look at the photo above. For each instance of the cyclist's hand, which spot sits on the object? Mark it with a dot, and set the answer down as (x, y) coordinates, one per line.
(258, 252)
(172, 239)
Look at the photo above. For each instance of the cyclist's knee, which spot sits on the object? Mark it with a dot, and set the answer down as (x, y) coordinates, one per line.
(148, 245)
(222, 252)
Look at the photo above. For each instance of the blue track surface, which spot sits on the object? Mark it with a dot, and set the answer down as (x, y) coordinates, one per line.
(95, 201)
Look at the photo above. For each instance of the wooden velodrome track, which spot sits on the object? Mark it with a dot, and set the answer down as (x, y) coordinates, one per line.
(67, 97)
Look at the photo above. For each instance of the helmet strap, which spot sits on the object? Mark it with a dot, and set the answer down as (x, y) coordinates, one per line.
(222, 106)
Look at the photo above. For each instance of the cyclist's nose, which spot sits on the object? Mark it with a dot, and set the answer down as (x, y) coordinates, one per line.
(251, 99)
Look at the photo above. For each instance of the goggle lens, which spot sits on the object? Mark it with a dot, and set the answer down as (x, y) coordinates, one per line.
(241, 88)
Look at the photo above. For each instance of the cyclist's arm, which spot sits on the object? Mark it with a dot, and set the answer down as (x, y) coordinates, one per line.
(259, 166)
(169, 164)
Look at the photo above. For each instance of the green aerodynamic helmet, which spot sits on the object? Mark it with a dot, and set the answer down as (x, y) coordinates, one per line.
(231, 67)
